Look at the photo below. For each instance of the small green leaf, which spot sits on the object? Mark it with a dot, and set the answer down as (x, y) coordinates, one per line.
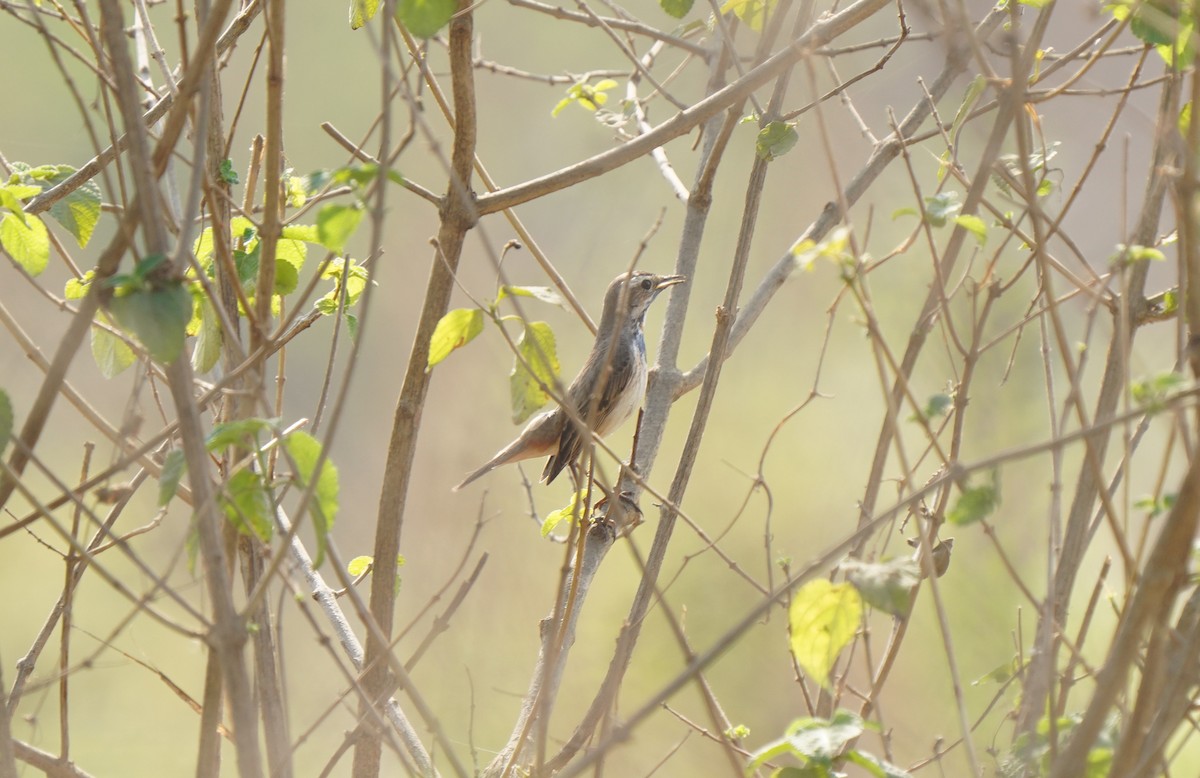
(227, 173)
(775, 140)
(676, 8)
(941, 206)
(975, 504)
(77, 288)
(543, 293)
(309, 233)
(752, 12)
(305, 451)
(359, 565)
(455, 330)
(6, 420)
(26, 241)
(1155, 507)
(111, 354)
(424, 18)
(974, 225)
(335, 225)
(937, 406)
(568, 512)
(207, 349)
(1152, 393)
(886, 586)
(159, 318)
(974, 91)
(361, 12)
(824, 618)
(1126, 255)
(537, 350)
(241, 434)
(876, 766)
(173, 467)
(248, 505)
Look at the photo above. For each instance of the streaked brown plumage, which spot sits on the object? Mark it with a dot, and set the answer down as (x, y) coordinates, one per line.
(612, 381)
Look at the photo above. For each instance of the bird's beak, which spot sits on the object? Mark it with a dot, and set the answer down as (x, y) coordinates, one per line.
(665, 281)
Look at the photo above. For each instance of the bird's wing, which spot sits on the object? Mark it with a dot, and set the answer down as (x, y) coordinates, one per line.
(571, 442)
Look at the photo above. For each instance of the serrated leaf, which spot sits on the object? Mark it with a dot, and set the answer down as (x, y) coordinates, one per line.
(79, 212)
(676, 8)
(247, 504)
(886, 586)
(335, 225)
(158, 317)
(111, 354)
(974, 225)
(424, 18)
(536, 365)
(824, 618)
(26, 241)
(453, 331)
(775, 140)
(305, 232)
(876, 766)
(173, 467)
(974, 504)
(305, 451)
(6, 420)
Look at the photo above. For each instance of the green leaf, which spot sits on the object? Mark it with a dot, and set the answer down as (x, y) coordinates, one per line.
(359, 565)
(886, 586)
(173, 467)
(824, 618)
(26, 241)
(537, 350)
(111, 354)
(424, 18)
(78, 212)
(818, 739)
(569, 512)
(77, 288)
(361, 12)
(455, 330)
(1127, 255)
(305, 451)
(752, 12)
(335, 225)
(207, 349)
(6, 420)
(1154, 23)
(305, 232)
(227, 173)
(975, 504)
(158, 317)
(941, 206)
(543, 293)
(876, 766)
(937, 406)
(1152, 393)
(676, 8)
(248, 505)
(241, 434)
(775, 140)
(974, 91)
(974, 225)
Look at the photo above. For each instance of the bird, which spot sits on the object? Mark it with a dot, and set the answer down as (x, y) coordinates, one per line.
(608, 389)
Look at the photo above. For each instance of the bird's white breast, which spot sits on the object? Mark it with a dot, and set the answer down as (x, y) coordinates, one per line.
(630, 400)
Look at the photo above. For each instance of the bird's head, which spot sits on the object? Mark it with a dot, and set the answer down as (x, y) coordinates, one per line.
(630, 294)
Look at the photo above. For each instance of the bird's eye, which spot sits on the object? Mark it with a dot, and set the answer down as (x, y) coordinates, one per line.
(646, 284)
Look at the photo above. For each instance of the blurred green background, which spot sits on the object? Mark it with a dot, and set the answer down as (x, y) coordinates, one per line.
(126, 722)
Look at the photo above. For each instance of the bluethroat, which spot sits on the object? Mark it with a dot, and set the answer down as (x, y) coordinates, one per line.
(609, 388)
